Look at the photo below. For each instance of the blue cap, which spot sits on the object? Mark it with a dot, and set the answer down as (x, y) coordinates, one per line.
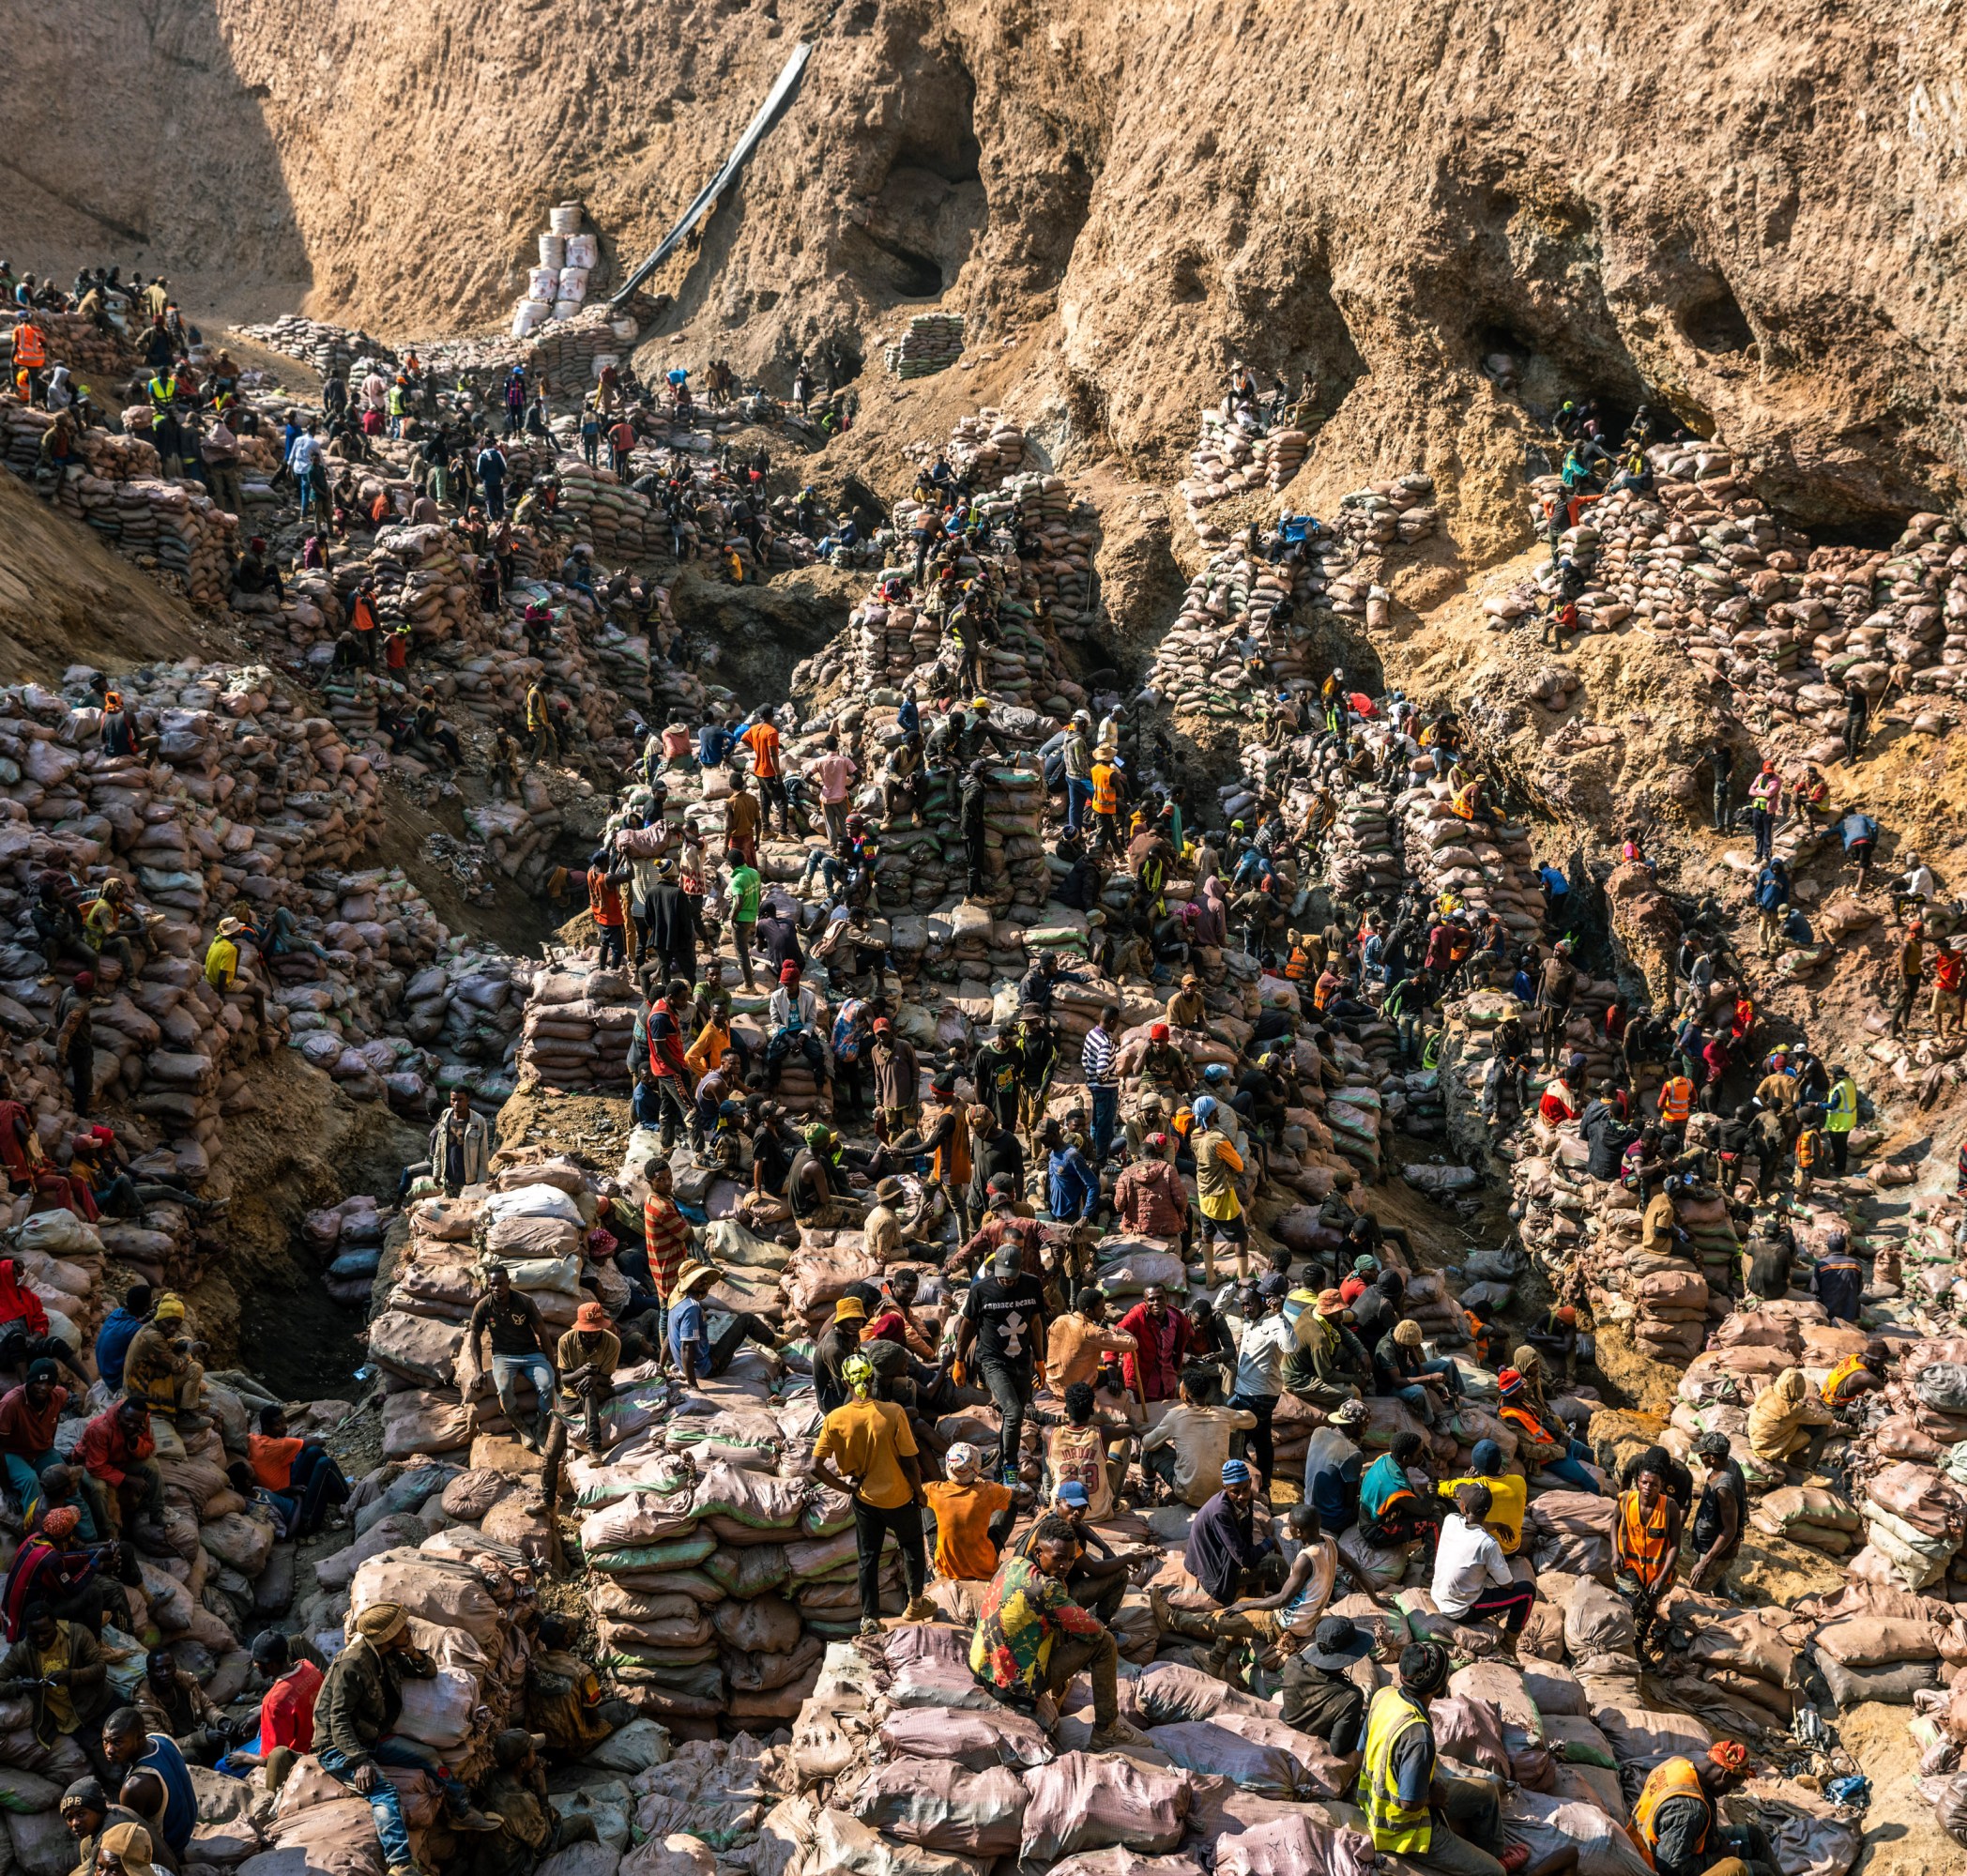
(1235, 1472)
(1073, 1493)
(1217, 1071)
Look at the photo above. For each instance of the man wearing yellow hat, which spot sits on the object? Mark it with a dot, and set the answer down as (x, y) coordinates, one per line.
(360, 1700)
(161, 1369)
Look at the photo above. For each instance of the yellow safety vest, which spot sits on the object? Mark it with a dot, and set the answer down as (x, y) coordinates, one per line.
(1850, 1364)
(1405, 1830)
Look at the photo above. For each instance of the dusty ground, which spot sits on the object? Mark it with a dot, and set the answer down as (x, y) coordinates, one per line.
(1902, 1836)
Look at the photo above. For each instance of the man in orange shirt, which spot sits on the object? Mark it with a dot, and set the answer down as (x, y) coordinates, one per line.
(768, 764)
(300, 1473)
(973, 1515)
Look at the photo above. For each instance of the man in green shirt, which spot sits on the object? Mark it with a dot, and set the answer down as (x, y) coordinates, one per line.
(746, 888)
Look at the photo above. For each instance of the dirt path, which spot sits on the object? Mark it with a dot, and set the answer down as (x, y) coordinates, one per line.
(1903, 1838)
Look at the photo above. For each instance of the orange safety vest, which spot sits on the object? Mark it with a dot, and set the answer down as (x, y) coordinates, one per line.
(951, 1163)
(1676, 1099)
(1105, 794)
(1810, 1146)
(604, 898)
(1523, 1417)
(1850, 1365)
(1675, 1779)
(1464, 799)
(1298, 967)
(30, 348)
(1639, 1543)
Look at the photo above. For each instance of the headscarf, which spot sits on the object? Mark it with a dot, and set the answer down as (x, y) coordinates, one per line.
(60, 1522)
(1729, 1754)
(1204, 1110)
(858, 1372)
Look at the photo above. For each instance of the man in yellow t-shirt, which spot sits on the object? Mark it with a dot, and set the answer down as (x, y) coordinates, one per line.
(1508, 1494)
(869, 1441)
(971, 1516)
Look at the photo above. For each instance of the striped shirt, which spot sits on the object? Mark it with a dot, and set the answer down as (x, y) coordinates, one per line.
(1096, 1057)
(666, 1232)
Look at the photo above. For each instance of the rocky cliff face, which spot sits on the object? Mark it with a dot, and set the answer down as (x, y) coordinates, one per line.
(1748, 213)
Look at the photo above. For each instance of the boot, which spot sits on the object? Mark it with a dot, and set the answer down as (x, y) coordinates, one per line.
(1172, 1621)
(921, 1609)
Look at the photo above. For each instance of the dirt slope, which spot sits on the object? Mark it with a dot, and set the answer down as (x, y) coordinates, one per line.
(1746, 209)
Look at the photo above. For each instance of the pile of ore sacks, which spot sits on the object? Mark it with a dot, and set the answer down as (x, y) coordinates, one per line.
(1699, 560)
(578, 1023)
(986, 448)
(89, 350)
(1236, 456)
(245, 803)
(565, 353)
(327, 349)
(171, 528)
(1202, 666)
(932, 342)
(1382, 514)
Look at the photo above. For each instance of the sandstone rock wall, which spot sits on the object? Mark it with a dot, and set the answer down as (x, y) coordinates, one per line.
(1748, 210)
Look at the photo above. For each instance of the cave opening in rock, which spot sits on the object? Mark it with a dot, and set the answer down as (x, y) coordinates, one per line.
(1715, 322)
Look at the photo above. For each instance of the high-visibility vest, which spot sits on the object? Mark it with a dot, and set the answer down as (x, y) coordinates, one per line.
(1105, 794)
(1676, 1099)
(1523, 1417)
(1675, 1779)
(1810, 1147)
(1402, 1830)
(604, 900)
(1298, 967)
(1464, 799)
(1639, 1542)
(1849, 1367)
(1842, 1113)
(30, 348)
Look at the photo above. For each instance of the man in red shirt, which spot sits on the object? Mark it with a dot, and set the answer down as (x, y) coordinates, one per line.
(1163, 1337)
(116, 1451)
(621, 439)
(768, 765)
(286, 1709)
(28, 1416)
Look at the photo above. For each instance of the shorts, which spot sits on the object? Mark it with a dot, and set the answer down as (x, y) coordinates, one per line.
(1229, 1230)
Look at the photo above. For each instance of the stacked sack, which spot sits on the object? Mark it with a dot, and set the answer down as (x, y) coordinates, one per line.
(932, 344)
(1701, 561)
(1202, 665)
(1401, 510)
(314, 342)
(579, 1022)
(1487, 862)
(986, 447)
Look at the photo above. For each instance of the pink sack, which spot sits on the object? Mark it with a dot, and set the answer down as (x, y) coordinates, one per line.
(1083, 1802)
(976, 1740)
(940, 1806)
(1294, 1846)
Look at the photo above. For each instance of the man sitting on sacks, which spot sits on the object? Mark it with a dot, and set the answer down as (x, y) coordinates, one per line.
(358, 1705)
(162, 1369)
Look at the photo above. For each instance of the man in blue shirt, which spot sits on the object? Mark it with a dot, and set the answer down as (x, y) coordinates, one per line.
(690, 1342)
(1073, 1188)
(120, 1329)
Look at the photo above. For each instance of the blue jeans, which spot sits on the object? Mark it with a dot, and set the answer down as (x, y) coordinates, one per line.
(506, 1370)
(24, 1481)
(1569, 1469)
(1079, 797)
(384, 1805)
(1106, 1117)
